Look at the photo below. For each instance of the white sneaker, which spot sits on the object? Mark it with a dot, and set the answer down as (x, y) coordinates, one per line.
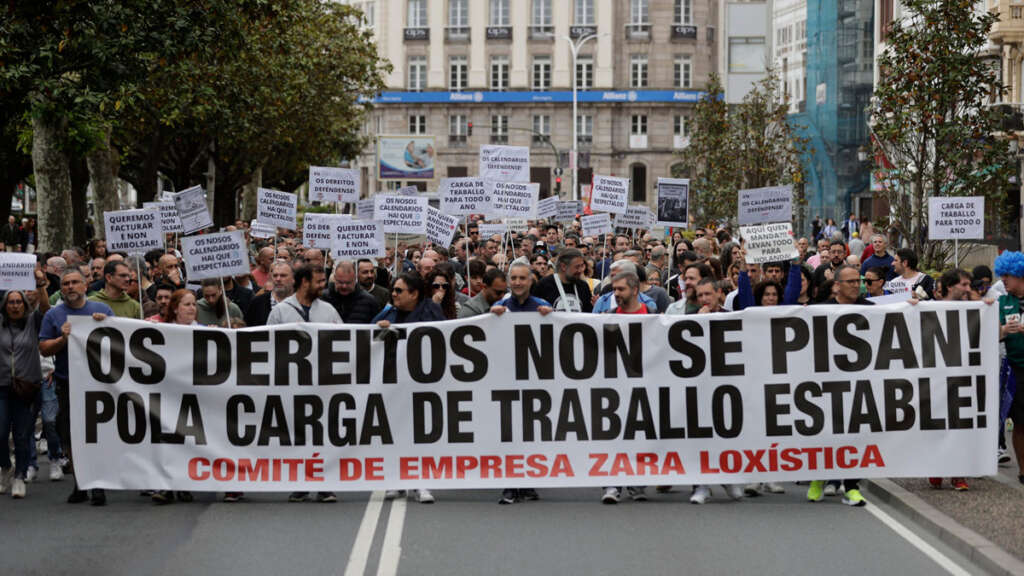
(6, 475)
(701, 494)
(734, 491)
(753, 489)
(31, 473)
(637, 493)
(56, 474)
(775, 487)
(830, 490)
(42, 447)
(18, 488)
(1003, 456)
(392, 494)
(611, 495)
(424, 496)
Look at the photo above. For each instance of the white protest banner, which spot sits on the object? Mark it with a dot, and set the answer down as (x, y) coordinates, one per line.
(133, 231)
(276, 208)
(547, 207)
(364, 209)
(406, 214)
(215, 255)
(464, 196)
(673, 202)
(328, 184)
(261, 230)
(192, 210)
(515, 199)
(318, 230)
(505, 163)
(597, 224)
(956, 218)
(759, 395)
(763, 205)
(568, 210)
(169, 221)
(491, 229)
(635, 217)
(769, 242)
(357, 239)
(441, 227)
(17, 271)
(609, 194)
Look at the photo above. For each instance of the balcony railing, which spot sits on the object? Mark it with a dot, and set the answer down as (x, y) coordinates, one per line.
(457, 33)
(499, 138)
(638, 31)
(542, 32)
(1011, 118)
(457, 140)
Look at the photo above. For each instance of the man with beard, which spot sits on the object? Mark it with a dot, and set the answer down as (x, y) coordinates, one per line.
(367, 279)
(566, 288)
(354, 305)
(283, 287)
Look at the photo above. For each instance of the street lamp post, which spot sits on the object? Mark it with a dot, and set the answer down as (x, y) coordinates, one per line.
(574, 48)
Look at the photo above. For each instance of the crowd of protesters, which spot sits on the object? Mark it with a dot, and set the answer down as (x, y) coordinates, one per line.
(538, 269)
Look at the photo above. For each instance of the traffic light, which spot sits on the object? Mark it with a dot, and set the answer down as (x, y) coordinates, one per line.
(558, 184)
(470, 130)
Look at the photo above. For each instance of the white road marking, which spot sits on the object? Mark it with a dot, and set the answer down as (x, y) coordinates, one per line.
(391, 550)
(364, 537)
(927, 549)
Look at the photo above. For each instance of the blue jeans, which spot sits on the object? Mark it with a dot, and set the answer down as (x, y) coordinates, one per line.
(46, 404)
(15, 414)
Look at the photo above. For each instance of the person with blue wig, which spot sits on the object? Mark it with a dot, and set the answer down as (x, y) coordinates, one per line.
(1010, 267)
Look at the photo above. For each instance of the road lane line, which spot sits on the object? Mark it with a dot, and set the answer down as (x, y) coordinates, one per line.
(391, 550)
(364, 537)
(930, 551)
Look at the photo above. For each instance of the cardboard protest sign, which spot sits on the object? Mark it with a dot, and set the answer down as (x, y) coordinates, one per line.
(278, 209)
(673, 202)
(956, 218)
(490, 229)
(505, 163)
(597, 224)
(769, 242)
(636, 217)
(548, 207)
(441, 227)
(406, 214)
(761, 205)
(17, 271)
(328, 184)
(215, 255)
(192, 210)
(169, 220)
(464, 196)
(364, 209)
(357, 239)
(318, 229)
(515, 199)
(133, 231)
(568, 210)
(609, 194)
(261, 230)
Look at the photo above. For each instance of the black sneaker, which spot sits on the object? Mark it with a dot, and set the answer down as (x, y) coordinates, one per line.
(98, 497)
(184, 496)
(232, 497)
(163, 496)
(326, 497)
(78, 496)
(529, 494)
(298, 496)
(508, 496)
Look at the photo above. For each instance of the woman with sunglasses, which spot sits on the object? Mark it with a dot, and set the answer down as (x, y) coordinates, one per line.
(441, 280)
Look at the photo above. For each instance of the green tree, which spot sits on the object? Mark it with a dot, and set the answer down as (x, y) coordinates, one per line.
(930, 121)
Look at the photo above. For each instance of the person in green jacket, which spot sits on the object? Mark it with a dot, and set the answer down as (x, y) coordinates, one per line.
(117, 276)
(1010, 266)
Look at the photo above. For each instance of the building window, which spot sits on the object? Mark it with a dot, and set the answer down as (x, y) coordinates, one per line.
(638, 71)
(584, 73)
(684, 72)
(458, 13)
(681, 127)
(499, 129)
(417, 73)
(417, 124)
(585, 129)
(541, 19)
(541, 128)
(684, 12)
(458, 128)
(458, 73)
(746, 54)
(638, 126)
(584, 13)
(499, 73)
(638, 22)
(541, 73)
(499, 13)
(417, 14)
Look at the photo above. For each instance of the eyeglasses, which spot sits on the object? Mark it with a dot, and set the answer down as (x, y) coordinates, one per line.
(397, 290)
(850, 281)
(438, 286)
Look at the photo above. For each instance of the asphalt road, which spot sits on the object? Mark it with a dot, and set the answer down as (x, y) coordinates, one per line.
(567, 532)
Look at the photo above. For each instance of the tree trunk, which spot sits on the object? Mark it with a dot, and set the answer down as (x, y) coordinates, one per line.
(103, 166)
(79, 204)
(53, 184)
(249, 196)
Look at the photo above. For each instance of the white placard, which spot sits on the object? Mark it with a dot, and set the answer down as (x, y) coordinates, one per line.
(636, 216)
(364, 209)
(318, 229)
(515, 199)
(673, 202)
(547, 207)
(167, 196)
(17, 271)
(357, 239)
(489, 229)
(192, 211)
(769, 242)
(408, 191)
(215, 255)
(441, 227)
(277, 208)
(505, 163)
(169, 221)
(568, 210)
(261, 230)
(763, 205)
(517, 224)
(328, 184)
(609, 194)
(133, 231)
(406, 214)
(464, 196)
(597, 224)
(956, 218)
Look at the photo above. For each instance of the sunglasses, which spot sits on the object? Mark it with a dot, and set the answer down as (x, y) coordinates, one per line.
(397, 290)
(871, 280)
(438, 286)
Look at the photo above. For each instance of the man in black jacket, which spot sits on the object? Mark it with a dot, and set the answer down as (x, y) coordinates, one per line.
(354, 305)
(261, 305)
(368, 279)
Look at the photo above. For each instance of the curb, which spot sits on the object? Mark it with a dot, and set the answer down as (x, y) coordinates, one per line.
(967, 542)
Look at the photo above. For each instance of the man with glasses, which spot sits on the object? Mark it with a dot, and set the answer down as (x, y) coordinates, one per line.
(700, 233)
(117, 276)
(836, 256)
(353, 304)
